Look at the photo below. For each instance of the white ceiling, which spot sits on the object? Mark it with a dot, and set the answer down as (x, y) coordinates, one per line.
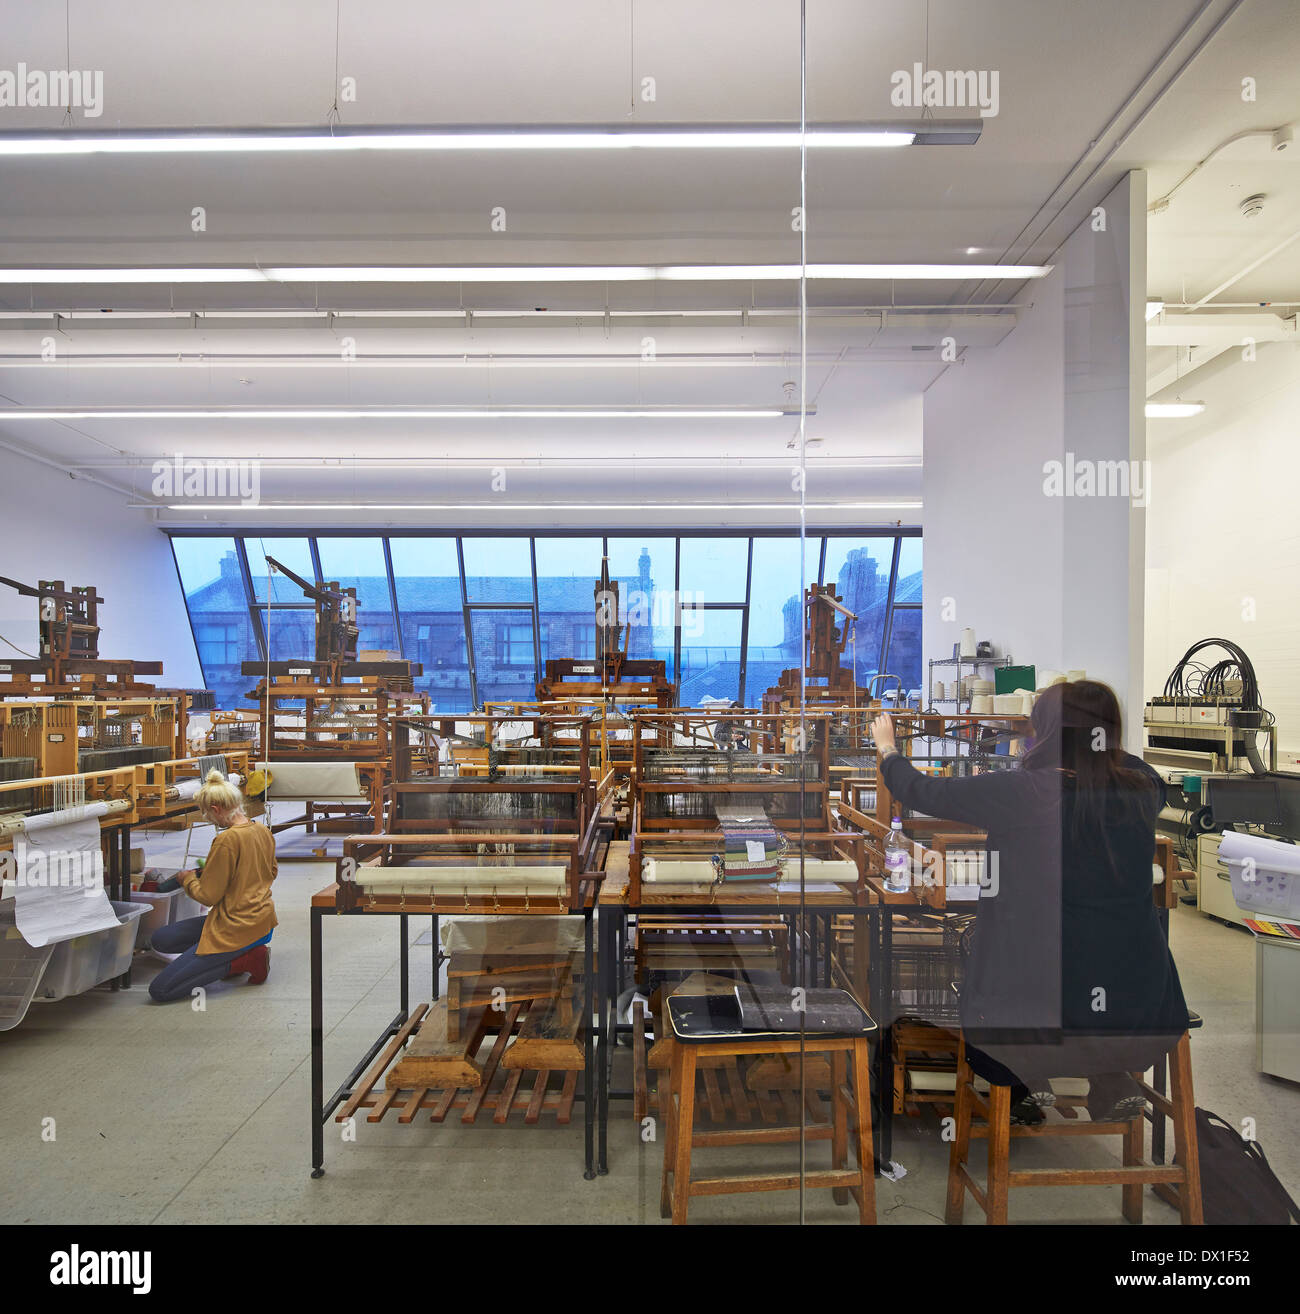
(1086, 92)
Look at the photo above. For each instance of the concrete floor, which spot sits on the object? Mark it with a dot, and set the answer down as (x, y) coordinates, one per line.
(171, 1116)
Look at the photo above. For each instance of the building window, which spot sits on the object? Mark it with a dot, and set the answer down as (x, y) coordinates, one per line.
(515, 645)
(220, 645)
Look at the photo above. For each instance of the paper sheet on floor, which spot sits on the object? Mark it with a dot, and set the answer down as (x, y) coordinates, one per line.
(60, 887)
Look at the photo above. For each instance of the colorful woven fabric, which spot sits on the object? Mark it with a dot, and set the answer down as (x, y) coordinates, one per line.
(752, 847)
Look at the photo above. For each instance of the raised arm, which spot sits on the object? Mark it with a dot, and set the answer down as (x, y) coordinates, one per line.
(993, 799)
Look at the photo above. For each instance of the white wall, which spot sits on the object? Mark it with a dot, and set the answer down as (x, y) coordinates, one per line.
(1224, 526)
(992, 540)
(1054, 581)
(54, 527)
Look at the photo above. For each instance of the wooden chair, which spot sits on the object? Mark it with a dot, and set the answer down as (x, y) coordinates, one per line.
(1183, 1176)
(850, 1117)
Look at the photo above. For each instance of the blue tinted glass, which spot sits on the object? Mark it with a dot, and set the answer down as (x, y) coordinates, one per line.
(710, 655)
(713, 569)
(646, 570)
(905, 648)
(859, 568)
(292, 552)
(218, 606)
(498, 570)
(359, 563)
(908, 588)
(503, 654)
(567, 571)
(426, 573)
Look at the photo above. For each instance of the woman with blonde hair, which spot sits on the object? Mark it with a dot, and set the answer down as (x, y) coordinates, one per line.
(235, 886)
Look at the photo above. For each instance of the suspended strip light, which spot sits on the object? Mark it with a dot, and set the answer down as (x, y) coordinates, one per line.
(402, 413)
(523, 274)
(504, 137)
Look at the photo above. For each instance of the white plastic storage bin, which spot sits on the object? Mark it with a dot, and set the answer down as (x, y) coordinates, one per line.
(1273, 893)
(185, 907)
(21, 967)
(86, 961)
(160, 910)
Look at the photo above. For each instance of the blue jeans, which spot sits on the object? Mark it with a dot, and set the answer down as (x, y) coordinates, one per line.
(192, 968)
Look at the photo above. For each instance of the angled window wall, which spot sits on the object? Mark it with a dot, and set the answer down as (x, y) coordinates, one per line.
(484, 613)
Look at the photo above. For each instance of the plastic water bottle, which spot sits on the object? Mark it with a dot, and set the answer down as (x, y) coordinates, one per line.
(896, 860)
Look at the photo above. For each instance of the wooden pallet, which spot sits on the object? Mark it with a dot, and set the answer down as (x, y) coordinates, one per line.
(443, 1076)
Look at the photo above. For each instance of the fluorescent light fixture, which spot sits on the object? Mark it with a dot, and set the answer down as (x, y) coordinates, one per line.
(503, 137)
(524, 273)
(406, 413)
(132, 276)
(1154, 307)
(1174, 410)
(528, 506)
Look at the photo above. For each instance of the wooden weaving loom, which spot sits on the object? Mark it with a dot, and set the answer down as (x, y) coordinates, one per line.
(510, 831)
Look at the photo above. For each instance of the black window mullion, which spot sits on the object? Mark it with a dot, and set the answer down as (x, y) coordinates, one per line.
(392, 597)
(677, 616)
(888, 627)
(465, 623)
(537, 624)
(254, 613)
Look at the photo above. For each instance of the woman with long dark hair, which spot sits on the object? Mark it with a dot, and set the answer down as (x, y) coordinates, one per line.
(1069, 974)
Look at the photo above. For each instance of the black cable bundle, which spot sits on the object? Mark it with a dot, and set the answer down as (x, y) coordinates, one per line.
(1191, 679)
(1211, 682)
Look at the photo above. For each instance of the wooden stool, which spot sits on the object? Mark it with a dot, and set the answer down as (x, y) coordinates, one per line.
(851, 1113)
(996, 1128)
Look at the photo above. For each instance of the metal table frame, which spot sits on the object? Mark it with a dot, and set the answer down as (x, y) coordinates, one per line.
(322, 1109)
(613, 939)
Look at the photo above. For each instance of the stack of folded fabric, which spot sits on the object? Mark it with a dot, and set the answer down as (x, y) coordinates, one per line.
(752, 847)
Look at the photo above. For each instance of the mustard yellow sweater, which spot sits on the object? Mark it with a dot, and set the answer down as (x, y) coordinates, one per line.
(236, 886)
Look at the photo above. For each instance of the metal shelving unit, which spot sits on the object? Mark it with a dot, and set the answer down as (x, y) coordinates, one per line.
(971, 665)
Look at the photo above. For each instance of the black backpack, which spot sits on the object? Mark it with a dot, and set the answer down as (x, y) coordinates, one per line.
(1237, 1184)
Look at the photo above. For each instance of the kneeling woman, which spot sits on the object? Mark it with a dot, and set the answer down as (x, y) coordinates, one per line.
(235, 885)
